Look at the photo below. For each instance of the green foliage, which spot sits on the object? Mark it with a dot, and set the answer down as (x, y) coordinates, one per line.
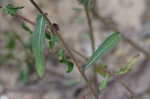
(10, 40)
(53, 40)
(109, 43)
(11, 9)
(102, 70)
(26, 28)
(38, 37)
(85, 2)
(128, 67)
(38, 45)
(69, 64)
(103, 84)
(61, 54)
(24, 76)
(64, 60)
(25, 72)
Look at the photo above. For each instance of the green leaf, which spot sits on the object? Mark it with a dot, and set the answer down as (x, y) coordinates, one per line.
(64, 60)
(10, 40)
(128, 67)
(105, 47)
(61, 54)
(103, 84)
(70, 66)
(26, 28)
(85, 2)
(102, 70)
(11, 9)
(53, 41)
(38, 37)
(24, 76)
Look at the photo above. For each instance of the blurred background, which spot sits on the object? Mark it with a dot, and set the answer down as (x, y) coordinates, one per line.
(131, 17)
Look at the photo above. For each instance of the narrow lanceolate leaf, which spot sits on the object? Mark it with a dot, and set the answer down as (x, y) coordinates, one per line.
(108, 44)
(128, 67)
(38, 37)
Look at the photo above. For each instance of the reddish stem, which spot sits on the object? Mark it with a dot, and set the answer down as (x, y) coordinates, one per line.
(25, 19)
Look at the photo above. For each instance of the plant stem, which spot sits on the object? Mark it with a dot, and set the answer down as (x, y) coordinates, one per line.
(91, 33)
(78, 53)
(22, 17)
(89, 20)
(129, 89)
(84, 57)
(66, 47)
(25, 19)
